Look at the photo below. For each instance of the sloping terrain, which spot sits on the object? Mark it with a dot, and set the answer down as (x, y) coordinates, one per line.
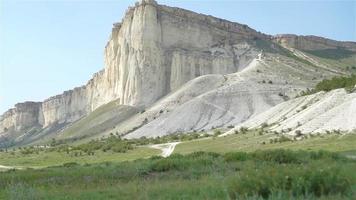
(263, 84)
(104, 118)
(317, 113)
(212, 101)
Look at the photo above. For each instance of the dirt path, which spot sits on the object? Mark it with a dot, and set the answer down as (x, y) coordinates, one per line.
(167, 148)
(351, 157)
(5, 167)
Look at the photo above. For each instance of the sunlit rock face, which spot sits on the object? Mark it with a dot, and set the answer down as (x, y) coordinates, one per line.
(311, 42)
(23, 116)
(157, 48)
(154, 50)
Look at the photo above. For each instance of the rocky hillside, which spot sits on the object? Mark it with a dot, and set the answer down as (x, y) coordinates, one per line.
(171, 70)
(323, 112)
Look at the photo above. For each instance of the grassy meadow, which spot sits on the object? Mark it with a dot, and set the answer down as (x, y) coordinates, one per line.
(247, 165)
(252, 141)
(53, 158)
(272, 174)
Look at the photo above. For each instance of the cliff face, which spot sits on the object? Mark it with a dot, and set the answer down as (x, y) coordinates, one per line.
(311, 42)
(157, 48)
(154, 50)
(23, 116)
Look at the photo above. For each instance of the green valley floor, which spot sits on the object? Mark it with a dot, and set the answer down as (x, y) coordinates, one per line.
(237, 166)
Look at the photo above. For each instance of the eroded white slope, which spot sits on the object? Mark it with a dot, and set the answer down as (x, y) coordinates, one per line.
(317, 113)
(264, 83)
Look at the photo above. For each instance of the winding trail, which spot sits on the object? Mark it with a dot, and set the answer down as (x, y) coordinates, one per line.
(5, 167)
(351, 157)
(167, 148)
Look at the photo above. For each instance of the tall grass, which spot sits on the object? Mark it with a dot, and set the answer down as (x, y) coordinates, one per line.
(275, 174)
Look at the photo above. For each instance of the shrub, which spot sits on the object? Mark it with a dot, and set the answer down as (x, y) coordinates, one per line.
(264, 125)
(260, 132)
(297, 183)
(317, 155)
(206, 135)
(336, 82)
(70, 164)
(324, 182)
(298, 133)
(235, 156)
(243, 130)
(163, 165)
(284, 138)
(200, 154)
(217, 133)
(174, 162)
(278, 156)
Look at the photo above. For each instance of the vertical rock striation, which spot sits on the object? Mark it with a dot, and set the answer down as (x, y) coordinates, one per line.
(154, 50)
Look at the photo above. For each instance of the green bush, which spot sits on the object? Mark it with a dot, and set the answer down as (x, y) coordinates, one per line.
(235, 156)
(200, 154)
(337, 53)
(317, 155)
(297, 183)
(70, 164)
(335, 83)
(174, 162)
(217, 133)
(279, 156)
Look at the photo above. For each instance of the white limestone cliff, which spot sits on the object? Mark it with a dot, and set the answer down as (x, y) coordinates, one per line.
(152, 61)
(154, 50)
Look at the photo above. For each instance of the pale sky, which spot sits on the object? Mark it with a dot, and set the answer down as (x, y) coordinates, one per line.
(47, 47)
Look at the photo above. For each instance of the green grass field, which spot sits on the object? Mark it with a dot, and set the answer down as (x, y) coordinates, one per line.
(249, 142)
(237, 166)
(45, 159)
(277, 174)
(252, 141)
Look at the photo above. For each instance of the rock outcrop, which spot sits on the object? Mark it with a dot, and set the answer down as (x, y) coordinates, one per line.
(311, 42)
(157, 49)
(154, 50)
(24, 115)
(317, 113)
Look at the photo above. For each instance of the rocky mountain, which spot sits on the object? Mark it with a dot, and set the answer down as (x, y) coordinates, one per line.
(170, 70)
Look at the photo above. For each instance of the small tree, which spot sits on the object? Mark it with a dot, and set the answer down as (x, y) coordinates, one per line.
(298, 133)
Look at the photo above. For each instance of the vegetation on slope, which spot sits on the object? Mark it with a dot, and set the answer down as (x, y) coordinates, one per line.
(276, 174)
(338, 59)
(116, 149)
(57, 153)
(253, 140)
(346, 82)
(335, 54)
(100, 120)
